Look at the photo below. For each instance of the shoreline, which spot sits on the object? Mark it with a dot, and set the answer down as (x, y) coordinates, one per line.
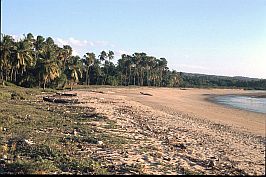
(211, 98)
(179, 140)
(193, 102)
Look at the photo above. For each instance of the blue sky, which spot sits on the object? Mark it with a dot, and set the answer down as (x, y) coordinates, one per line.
(222, 37)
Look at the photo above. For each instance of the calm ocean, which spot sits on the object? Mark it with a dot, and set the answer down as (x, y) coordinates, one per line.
(243, 102)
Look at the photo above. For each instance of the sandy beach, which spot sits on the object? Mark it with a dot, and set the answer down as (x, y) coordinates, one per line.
(194, 102)
(181, 131)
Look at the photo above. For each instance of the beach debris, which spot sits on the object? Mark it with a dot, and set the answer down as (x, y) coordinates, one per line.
(149, 128)
(145, 93)
(180, 145)
(210, 164)
(75, 133)
(59, 100)
(29, 142)
(100, 142)
(145, 157)
(166, 158)
(66, 94)
(97, 91)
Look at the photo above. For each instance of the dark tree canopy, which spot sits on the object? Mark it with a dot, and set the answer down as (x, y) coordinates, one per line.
(39, 62)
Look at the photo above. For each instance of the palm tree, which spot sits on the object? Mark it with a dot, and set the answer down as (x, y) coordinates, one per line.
(149, 66)
(50, 71)
(89, 61)
(103, 56)
(74, 67)
(67, 53)
(110, 56)
(97, 70)
(143, 63)
(137, 60)
(38, 45)
(31, 41)
(120, 67)
(162, 64)
(39, 52)
(128, 66)
(7, 49)
(175, 79)
(47, 64)
(24, 55)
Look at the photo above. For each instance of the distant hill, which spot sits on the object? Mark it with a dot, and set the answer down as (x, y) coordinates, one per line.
(222, 77)
(204, 80)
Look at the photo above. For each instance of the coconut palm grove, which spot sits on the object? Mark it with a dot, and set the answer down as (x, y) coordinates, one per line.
(39, 62)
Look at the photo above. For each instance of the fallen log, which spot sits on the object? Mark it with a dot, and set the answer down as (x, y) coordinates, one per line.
(146, 94)
(97, 91)
(59, 100)
(66, 94)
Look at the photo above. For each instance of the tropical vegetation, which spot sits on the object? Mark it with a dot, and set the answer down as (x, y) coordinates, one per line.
(39, 62)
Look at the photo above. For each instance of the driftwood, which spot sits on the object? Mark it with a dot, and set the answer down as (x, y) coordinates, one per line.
(59, 100)
(66, 94)
(97, 91)
(145, 94)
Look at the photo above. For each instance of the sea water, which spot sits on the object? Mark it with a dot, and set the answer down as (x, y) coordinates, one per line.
(243, 102)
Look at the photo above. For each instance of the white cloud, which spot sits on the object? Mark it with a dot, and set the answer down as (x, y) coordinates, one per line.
(61, 42)
(80, 47)
(82, 43)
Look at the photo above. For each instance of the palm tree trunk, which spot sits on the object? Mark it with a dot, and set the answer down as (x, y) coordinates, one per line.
(126, 78)
(121, 79)
(161, 78)
(6, 76)
(88, 81)
(148, 78)
(138, 79)
(39, 78)
(142, 77)
(129, 80)
(15, 75)
(11, 74)
(97, 80)
(87, 73)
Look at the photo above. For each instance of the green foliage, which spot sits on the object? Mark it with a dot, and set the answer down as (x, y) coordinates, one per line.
(40, 62)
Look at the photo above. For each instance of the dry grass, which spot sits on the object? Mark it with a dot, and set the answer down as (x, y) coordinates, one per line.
(37, 137)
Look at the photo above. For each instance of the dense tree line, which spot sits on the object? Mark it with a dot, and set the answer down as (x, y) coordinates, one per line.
(32, 62)
(40, 62)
